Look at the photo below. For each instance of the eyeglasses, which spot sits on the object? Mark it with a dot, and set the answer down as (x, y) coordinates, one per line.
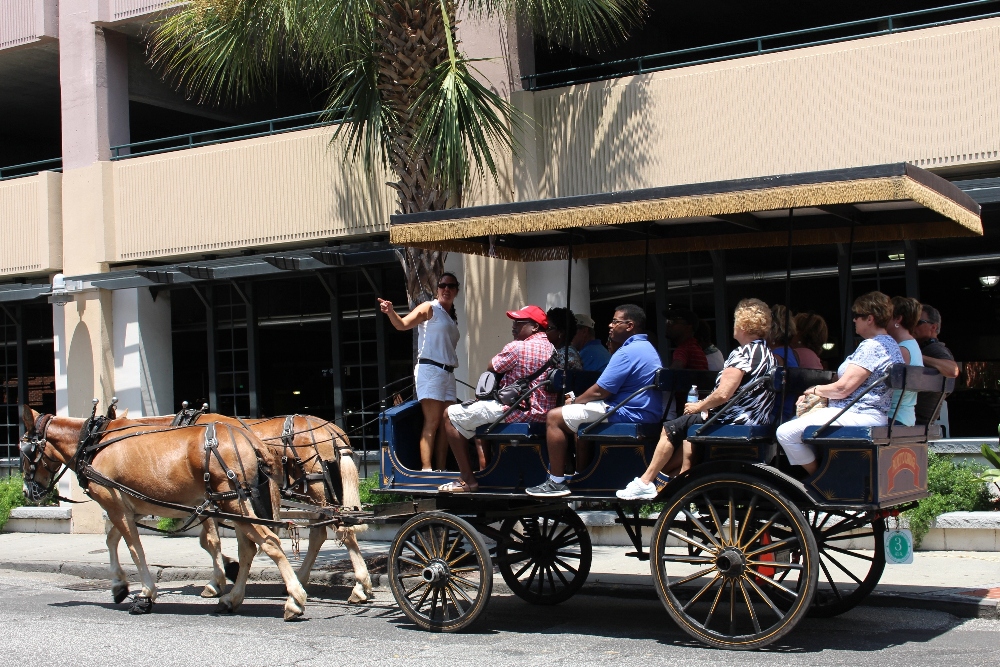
(447, 285)
(617, 322)
(924, 322)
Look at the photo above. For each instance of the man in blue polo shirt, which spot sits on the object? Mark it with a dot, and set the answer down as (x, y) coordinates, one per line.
(632, 366)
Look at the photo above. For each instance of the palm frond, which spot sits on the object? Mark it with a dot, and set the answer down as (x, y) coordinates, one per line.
(368, 126)
(590, 25)
(462, 123)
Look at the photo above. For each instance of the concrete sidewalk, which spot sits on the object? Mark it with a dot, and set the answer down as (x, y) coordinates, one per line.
(966, 584)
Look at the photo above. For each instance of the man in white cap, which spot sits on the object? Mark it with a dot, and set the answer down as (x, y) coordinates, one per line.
(593, 354)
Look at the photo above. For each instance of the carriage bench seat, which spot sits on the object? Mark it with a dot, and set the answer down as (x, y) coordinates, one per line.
(730, 432)
(622, 431)
(872, 435)
(524, 432)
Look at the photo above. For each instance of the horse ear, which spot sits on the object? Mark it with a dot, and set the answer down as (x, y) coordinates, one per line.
(28, 416)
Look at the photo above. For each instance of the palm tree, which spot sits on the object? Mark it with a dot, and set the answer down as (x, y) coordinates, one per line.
(407, 96)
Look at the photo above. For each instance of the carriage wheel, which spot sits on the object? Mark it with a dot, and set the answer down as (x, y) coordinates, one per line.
(731, 581)
(848, 571)
(440, 572)
(544, 559)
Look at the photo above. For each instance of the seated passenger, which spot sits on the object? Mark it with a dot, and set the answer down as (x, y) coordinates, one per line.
(905, 315)
(632, 366)
(593, 354)
(560, 331)
(811, 335)
(748, 362)
(872, 313)
(528, 352)
(713, 355)
(780, 339)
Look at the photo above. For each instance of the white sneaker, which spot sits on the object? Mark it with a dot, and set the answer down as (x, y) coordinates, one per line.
(637, 490)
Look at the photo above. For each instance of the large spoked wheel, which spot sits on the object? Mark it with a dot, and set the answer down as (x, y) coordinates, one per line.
(721, 559)
(440, 572)
(851, 558)
(545, 559)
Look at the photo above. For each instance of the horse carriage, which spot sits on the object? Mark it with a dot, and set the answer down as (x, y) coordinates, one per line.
(743, 547)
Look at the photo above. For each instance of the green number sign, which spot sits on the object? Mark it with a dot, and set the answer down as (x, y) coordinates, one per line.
(898, 547)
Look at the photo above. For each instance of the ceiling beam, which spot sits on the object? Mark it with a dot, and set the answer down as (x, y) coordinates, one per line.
(745, 220)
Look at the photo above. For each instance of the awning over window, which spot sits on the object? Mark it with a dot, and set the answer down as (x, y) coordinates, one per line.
(882, 203)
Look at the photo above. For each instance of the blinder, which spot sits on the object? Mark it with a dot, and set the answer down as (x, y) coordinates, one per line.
(32, 448)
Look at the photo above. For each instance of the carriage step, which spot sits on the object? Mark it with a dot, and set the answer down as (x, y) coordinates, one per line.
(641, 555)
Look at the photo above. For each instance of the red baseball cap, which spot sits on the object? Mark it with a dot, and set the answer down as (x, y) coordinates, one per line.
(533, 313)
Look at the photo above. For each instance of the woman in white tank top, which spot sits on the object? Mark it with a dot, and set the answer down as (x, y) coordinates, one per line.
(434, 374)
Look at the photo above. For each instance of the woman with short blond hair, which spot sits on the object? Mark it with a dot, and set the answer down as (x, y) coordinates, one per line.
(747, 363)
(872, 312)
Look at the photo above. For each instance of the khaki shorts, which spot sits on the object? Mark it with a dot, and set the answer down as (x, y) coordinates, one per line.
(467, 419)
(577, 414)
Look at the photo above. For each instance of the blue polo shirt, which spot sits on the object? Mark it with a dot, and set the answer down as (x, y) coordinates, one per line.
(595, 356)
(632, 366)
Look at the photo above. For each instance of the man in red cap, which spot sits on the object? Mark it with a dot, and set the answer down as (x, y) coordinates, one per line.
(521, 357)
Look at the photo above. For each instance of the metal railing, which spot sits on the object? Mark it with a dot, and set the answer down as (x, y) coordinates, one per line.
(30, 168)
(223, 135)
(753, 46)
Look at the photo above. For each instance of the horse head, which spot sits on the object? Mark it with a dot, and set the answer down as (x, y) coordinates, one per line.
(39, 470)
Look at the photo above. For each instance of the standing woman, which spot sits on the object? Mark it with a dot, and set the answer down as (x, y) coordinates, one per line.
(434, 374)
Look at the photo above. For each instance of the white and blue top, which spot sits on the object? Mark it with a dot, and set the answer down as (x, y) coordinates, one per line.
(906, 414)
(875, 355)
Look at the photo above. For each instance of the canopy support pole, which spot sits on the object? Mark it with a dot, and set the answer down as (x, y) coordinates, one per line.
(722, 331)
(788, 314)
(569, 298)
(912, 277)
(845, 259)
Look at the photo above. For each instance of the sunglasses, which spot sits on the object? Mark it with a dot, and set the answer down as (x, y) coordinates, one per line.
(447, 285)
(924, 322)
(855, 316)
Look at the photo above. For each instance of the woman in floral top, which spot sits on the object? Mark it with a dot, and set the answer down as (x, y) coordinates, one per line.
(871, 314)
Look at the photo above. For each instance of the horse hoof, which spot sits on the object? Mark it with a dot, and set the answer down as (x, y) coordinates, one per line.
(210, 591)
(120, 594)
(291, 614)
(224, 607)
(232, 570)
(141, 605)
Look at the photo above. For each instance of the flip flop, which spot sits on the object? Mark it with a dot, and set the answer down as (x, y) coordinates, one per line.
(457, 487)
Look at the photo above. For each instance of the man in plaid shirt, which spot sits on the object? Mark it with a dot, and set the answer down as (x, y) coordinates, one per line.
(521, 357)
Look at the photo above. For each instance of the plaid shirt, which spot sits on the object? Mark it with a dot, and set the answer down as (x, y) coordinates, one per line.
(521, 358)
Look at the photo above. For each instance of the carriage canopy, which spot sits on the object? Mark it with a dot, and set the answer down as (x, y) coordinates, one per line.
(882, 203)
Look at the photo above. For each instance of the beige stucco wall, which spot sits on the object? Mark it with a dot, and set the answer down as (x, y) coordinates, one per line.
(287, 188)
(930, 97)
(30, 224)
(27, 21)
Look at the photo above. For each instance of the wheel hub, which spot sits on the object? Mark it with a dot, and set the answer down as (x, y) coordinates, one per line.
(730, 562)
(435, 572)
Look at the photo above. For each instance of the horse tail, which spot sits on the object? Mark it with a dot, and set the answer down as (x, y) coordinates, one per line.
(349, 478)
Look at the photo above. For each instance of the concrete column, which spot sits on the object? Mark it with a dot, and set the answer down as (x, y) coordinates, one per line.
(93, 74)
(492, 287)
(141, 341)
(546, 285)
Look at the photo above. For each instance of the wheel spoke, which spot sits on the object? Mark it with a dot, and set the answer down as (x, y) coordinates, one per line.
(559, 574)
(732, 608)
(454, 600)
(852, 536)
(427, 553)
(763, 529)
(691, 577)
(692, 560)
(409, 593)
(471, 584)
(774, 546)
(775, 564)
(518, 574)
(417, 552)
(566, 565)
(753, 612)
(746, 520)
(844, 569)
(458, 590)
(833, 584)
(764, 596)
(684, 538)
(420, 602)
(412, 562)
(459, 558)
(732, 518)
(786, 591)
(702, 528)
(715, 604)
(715, 518)
(451, 549)
(853, 554)
(703, 590)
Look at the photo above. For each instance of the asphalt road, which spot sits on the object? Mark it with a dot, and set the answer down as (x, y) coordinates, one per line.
(53, 619)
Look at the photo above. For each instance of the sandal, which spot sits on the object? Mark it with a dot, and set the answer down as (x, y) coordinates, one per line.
(458, 487)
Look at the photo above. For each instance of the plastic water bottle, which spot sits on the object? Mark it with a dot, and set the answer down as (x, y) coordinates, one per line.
(693, 394)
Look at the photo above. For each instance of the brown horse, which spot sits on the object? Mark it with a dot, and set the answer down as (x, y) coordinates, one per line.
(299, 444)
(135, 471)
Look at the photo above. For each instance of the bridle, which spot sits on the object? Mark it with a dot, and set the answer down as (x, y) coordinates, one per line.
(33, 445)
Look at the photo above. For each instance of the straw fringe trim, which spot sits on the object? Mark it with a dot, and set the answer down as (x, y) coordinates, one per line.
(796, 196)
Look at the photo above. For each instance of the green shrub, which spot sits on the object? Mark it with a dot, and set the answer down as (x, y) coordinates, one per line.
(169, 524)
(11, 496)
(954, 487)
(370, 495)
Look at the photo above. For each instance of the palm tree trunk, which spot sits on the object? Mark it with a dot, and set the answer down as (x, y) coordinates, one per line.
(414, 41)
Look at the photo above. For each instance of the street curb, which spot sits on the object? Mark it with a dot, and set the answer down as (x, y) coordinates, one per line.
(989, 609)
